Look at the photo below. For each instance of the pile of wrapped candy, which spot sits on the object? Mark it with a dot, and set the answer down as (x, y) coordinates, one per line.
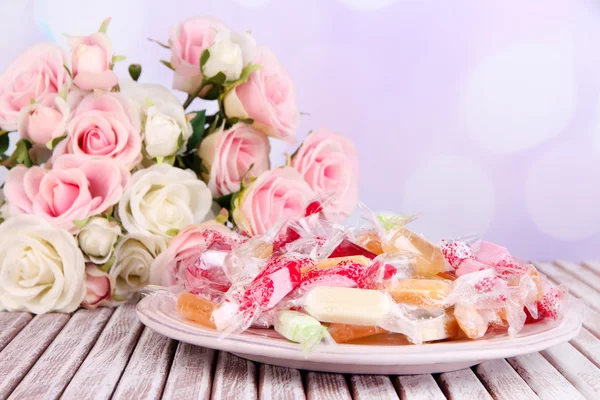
(375, 283)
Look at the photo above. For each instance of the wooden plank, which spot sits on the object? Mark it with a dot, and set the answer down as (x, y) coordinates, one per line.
(279, 383)
(366, 387)
(580, 371)
(588, 345)
(418, 387)
(23, 351)
(502, 381)
(580, 272)
(12, 323)
(191, 373)
(55, 368)
(325, 386)
(577, 287)
(235, 377)
(593, 265)
(148, 367)
(463, 385)
(99, 374)
(543, 378)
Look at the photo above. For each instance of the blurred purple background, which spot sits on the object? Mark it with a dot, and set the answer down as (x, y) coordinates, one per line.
(482, 116)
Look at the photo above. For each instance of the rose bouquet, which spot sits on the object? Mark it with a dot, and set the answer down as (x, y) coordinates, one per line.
(111, 178)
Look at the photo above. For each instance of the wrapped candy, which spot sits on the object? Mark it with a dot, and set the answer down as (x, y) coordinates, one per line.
(300, 328)
(196, 309)
(379, 285)
(280, 276)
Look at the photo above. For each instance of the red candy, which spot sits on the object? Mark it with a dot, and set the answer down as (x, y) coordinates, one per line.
(347, 248)
(549, 306)
(456, 252)
(280, 276)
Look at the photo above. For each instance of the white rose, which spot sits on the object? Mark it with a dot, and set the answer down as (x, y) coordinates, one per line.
(163, 198)
(230, 53)
(97, 239)
(167, 129)
(162, 135)
(133, 257)
(41, 267)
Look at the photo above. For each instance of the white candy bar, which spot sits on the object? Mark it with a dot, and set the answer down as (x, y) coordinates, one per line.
(347, 305)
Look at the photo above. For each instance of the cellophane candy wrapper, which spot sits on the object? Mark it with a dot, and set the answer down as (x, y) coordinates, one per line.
(245, 304)
(387, 233)
(495, 289)
(376, 278)
(300, 328)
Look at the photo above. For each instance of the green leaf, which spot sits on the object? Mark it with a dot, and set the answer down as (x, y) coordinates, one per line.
(107, 265)
(198, 123)
(68, 71)
(21, 153)
(180, 141)
(52, 144)
(166, 46)
(135, 70)
(170, 160)
(4, 142)
(104, 26)
(219, 79)
(80, 223)
(116, 58)
(213, 93)
(204, 58)
(246, 72)
(172, 232)
(3, 132)
(224, 201)
(167, 64)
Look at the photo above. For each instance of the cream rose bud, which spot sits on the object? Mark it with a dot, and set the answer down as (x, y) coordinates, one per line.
(163, 198)
(41, 124)
(97, 239)
(133, 258)
(229, 154)
(166, 129)
(162, 134)
(41, 267)
(231, 52)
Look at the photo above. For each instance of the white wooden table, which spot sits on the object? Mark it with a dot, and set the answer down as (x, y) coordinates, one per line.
(105, 353)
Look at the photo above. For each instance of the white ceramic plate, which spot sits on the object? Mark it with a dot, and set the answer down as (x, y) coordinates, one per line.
(158, 312)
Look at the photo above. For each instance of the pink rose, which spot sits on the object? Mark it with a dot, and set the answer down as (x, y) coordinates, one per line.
(74, 189)
(268, 97)
(188, 39)
(99, 287)
(229, 154)
(276, 195)
(40, 124)
(106, 126)
(91, 61)
(329, 164)
(189, 242)
(37, 74)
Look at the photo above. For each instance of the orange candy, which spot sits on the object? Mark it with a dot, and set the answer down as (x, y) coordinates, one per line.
(425, 293)
(343, 333)
(470, 321)
(196, 309)
(430, 260)
(332, 262)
